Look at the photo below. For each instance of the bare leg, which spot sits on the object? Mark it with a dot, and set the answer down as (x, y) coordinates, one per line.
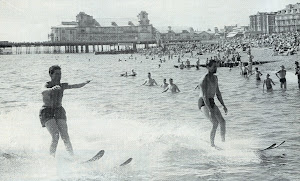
(222, 122)
(53, 130)
(63, 130)
(213, 131)
(215, 123)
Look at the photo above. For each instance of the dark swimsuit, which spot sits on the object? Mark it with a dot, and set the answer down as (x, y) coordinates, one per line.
(282, 80)
(47, 113)
(56, 111)
(211, 101)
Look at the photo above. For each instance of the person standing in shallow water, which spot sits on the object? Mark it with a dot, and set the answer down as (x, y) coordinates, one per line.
(268, 82)
(209, 88)
(297, 72)
(52, 114)
(281, 75)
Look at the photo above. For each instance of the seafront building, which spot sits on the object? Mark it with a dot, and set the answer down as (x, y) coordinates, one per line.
(262, 23)
(285, 20)
(87, 29)
(288, 19)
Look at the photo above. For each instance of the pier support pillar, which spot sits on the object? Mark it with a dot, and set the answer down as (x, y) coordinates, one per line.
(93, 48)
(76, 49)
(101, 48)
(134, 47)
(86, 49)
(81, 49)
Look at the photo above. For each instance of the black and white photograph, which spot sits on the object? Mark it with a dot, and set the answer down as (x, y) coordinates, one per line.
(158, 90)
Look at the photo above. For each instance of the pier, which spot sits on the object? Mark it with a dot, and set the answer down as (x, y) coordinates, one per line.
(72, 47)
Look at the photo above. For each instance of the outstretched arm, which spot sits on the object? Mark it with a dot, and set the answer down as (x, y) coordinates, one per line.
(74, 86)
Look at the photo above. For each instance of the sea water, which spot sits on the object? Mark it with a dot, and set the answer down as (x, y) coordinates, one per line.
(165, 134)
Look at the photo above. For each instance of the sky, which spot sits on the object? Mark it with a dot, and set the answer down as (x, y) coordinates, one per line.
(31, 20)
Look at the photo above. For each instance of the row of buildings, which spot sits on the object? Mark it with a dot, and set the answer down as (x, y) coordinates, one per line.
(87, 29)
(285, 20)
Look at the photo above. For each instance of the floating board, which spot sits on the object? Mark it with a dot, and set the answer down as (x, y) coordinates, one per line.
(126, 162)
(273, 146)
(96, 157)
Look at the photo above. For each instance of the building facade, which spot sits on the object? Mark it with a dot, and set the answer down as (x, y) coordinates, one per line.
(262, 23)
(288, 19)
(87, 29)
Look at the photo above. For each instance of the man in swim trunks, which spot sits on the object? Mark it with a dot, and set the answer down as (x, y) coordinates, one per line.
(149, 81)
(297, 72)
(268, 82)
(52, 114)
(257, 74)
(209, 88)
(165, 84)
(172, 87)
(245, 70)
(281, 75)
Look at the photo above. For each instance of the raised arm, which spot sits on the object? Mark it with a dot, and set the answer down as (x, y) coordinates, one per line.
(74, 86)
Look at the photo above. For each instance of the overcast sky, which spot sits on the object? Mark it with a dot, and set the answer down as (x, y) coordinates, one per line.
(31, 20)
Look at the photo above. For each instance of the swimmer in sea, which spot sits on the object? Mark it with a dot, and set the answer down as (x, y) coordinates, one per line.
(257, 74)
(52, 114)
(124, 75)
(165, 84)
(281, 75)
(268, 82)
(209, 88)
(181, 66)
(245, 71)
(172, 87)
(149, 81)
(133, 73)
